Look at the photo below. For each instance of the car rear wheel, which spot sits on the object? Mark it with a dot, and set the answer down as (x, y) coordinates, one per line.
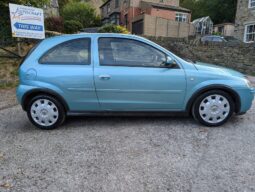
(45, 112)
(213, 108)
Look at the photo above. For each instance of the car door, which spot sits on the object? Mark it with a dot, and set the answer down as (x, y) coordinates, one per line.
(67, 68)
(129, 76)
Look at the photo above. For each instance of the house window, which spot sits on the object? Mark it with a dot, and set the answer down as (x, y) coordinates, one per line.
(221, 30)
(181, 17)
(126, 19)
(116, 3)
(115, 19)
(108, 8)
(249, 35)
(251, 3)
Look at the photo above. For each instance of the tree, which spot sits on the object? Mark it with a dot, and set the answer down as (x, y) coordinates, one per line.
(219, 11)
(72, 26)
(82, 12)
(54, 23)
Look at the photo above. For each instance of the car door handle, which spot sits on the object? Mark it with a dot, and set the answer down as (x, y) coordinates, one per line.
(105, 77)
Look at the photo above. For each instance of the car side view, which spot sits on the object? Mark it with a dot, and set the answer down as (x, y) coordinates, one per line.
(87, 74)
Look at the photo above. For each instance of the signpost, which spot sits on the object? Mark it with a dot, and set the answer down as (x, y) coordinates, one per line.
(27, 22)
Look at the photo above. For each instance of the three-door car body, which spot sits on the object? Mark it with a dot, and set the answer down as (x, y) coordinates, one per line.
(117, 73)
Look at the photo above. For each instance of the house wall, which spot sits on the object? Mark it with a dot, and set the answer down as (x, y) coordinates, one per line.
(228, 29)
(244, 15)
(132, 9)
(136, 3)
(160, 27)
(131, 13)
(167, 14)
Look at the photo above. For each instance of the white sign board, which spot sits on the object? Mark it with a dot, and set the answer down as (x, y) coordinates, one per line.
(27, 22)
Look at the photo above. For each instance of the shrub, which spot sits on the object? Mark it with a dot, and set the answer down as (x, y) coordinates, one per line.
(97, 21)
(80, 11)
(111, 28)
(54, 24)
(72, 26)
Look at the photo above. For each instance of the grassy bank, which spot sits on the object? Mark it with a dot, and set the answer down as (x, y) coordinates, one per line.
(9, 72)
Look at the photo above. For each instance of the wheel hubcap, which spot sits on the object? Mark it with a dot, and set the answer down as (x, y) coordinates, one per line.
(44, 112)
(214, 108)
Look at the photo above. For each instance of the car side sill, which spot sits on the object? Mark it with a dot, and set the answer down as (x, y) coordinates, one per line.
(129, 113)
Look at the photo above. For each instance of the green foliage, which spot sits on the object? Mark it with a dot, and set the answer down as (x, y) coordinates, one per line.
(54, 24)
(97, 21)
(72, 26)
(62, 3)
(82, 12)
(220, 11)
(216, 33)
(111, 28)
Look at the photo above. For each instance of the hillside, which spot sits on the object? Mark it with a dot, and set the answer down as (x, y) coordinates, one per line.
(95, 3)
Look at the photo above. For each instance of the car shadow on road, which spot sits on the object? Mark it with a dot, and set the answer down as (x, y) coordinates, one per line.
(119, 121)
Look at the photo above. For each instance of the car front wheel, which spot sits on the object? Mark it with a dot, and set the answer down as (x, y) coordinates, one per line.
(45, 112)
(213, 108)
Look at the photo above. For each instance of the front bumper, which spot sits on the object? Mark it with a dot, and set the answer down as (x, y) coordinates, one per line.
(246, 97)
(253, 91)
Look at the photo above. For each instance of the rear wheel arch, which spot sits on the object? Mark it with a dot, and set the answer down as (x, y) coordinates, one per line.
(234, 95)
(35, 92)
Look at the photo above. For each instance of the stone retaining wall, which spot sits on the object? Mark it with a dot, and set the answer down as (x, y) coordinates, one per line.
(240, 57)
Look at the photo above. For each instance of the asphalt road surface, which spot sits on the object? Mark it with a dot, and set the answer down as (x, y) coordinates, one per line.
(131, 154)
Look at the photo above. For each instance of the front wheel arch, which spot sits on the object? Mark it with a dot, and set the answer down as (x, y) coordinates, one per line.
(234, 95)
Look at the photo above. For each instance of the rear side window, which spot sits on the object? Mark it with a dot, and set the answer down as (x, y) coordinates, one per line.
(70, 52)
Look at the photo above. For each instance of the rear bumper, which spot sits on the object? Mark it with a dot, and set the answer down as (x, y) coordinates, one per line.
(21, 91)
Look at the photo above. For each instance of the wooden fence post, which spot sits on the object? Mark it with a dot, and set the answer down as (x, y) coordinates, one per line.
(19, 47)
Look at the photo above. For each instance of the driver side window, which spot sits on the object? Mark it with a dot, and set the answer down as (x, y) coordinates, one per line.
(128, 52)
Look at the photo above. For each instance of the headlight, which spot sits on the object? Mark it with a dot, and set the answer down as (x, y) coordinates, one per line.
(248, 83)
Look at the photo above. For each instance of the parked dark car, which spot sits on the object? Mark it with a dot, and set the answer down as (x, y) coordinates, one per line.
(220, 39)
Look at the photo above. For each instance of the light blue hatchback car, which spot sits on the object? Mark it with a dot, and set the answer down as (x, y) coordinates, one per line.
(88, 74)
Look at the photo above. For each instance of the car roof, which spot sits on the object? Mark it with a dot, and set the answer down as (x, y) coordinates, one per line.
(213, 36)
(66, 37)
(80, 35)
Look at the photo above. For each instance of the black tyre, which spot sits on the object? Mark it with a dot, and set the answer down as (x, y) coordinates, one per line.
(213, 108)
(45, 112)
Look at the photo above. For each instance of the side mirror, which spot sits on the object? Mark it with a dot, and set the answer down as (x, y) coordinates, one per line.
(169, 62)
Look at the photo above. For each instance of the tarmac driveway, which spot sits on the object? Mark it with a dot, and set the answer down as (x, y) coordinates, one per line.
(127, 154)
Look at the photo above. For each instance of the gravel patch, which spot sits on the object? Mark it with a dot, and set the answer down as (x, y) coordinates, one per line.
(127, 154)
(7, 98)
